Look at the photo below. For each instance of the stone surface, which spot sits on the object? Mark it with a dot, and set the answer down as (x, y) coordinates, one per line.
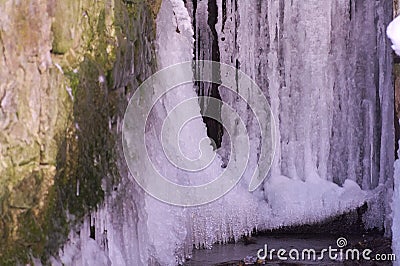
(34, 111)
(66, 71)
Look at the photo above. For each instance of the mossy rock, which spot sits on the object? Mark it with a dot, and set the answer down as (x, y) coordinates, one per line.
(64, 24)
(91, 39)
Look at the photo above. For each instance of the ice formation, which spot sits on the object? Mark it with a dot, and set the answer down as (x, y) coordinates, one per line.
(330, 91)
(332, 101)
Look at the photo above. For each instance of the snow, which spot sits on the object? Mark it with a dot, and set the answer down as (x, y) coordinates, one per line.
(298, 202)
(394, 35)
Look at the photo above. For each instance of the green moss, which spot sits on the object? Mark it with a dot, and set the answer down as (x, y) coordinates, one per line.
(30, 237)
(396, 70)
(134, 6)
(86, 155)
(31, 229)
(65, 13)
(73, 80)
(155, 7)
(18, 199)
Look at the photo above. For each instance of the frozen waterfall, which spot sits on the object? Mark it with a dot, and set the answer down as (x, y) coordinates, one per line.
(327, 77)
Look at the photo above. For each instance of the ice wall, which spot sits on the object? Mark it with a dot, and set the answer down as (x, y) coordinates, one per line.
(326, 68)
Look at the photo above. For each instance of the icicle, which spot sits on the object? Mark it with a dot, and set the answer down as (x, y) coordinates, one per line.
(77, 187)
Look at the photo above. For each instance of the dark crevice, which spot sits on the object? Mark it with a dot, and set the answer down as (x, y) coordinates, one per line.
(212, 21)
(237, 66)
(92, 229)
(223, 14)
(214, 128)
(350, 9)
(236, 24)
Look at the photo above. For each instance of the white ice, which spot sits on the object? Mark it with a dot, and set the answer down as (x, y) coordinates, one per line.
(393, 32)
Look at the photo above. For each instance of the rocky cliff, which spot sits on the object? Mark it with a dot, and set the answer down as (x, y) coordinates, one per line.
(67, 69)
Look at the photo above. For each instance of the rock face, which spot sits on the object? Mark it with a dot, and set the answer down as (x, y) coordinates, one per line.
(33, 117)
(66, 69)
(396, 8)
